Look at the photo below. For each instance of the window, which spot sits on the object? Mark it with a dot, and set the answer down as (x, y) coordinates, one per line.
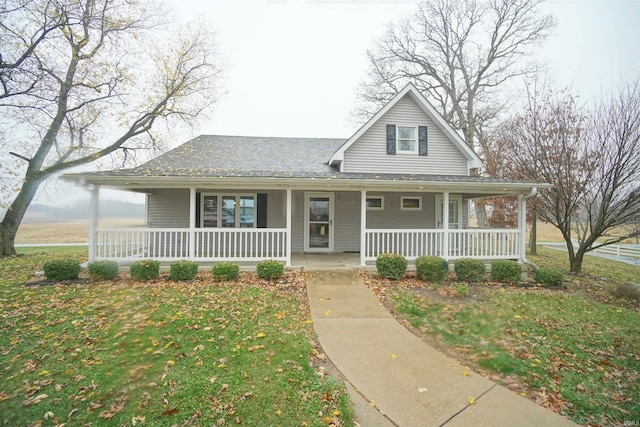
(411, 203)
(228, 210)
(375, 203)
(407, 140)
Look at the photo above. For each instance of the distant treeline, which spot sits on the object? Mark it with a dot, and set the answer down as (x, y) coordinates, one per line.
(108, 209)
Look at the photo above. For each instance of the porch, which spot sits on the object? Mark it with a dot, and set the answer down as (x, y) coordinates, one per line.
(244, 225)
(253, 245)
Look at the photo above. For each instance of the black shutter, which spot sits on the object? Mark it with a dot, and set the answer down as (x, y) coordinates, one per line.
(198, 210)
(261, 211)
(391, 139)
(422, 140)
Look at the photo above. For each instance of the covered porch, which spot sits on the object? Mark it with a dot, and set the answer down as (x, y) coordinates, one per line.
(352, 226)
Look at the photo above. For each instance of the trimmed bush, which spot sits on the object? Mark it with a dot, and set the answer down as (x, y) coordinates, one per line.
(103, 270)
(391, 266)
(183, 270)
(145, 270)
(549, 277)
(225, 271)
(469, 270)
(431, 268)
(61, 269)
(506, 271)
(270, 269)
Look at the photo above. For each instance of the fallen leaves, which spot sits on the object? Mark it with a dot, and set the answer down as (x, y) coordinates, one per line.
(124, 352)
(567, 350)
(35, 399)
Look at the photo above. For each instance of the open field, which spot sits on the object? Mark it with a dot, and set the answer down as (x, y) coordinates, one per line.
(73, 231)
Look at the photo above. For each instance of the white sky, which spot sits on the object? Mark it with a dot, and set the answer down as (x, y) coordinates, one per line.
(294, 65)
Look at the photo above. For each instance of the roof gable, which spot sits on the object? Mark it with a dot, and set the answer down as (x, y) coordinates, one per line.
(473, 161)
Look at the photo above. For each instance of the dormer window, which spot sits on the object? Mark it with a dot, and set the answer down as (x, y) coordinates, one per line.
(407, 141)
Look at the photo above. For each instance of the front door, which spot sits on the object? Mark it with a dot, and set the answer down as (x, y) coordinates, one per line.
(318, 220)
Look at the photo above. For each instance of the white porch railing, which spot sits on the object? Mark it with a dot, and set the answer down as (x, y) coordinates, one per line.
(230, 244)
(466, 243)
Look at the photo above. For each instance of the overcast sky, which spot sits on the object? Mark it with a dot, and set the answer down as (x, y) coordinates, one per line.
(294, 65)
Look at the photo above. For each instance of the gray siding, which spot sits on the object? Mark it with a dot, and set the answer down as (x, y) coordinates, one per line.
(347, 221)
(369, 152)
(393, 217)
(168, 208)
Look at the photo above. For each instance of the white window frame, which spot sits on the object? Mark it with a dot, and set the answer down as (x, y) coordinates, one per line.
(376, 208)
(415, 140)
(237, 210)
(403, 208)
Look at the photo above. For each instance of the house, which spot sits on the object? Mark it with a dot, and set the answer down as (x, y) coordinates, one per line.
(402, 183)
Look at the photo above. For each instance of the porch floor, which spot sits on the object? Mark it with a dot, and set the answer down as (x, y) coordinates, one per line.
(311, 261)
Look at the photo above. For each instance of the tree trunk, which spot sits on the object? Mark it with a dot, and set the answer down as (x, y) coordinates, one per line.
(576, 263)
(14, 215)
(533, 238)
(481, 214)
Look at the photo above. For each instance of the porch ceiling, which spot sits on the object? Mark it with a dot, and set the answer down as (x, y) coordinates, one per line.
(474, 186)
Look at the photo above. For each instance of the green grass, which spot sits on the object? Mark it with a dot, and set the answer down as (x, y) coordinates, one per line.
(568, 350)
(576, 351)
(162, 353)
(592, 265)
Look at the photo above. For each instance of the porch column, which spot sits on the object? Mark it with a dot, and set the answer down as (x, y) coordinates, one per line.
(192, 223)
(522, 227)
(363, 227)
(445, 225)
(289, 228)
(93, 221)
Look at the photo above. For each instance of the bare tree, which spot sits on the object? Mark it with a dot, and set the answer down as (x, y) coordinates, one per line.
(592, 159)
(88, 79)
(458, 53)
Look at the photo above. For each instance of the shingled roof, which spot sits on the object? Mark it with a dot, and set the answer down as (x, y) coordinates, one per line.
(219, 155)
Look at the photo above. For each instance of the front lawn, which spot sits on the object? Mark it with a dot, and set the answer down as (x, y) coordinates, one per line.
(574, 350)
(160, 353)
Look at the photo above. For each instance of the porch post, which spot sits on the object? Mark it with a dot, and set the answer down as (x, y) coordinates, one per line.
(445, 225)
(192, 223)
(93, 221)
(522, 227)
(289, 228)
(363, 227)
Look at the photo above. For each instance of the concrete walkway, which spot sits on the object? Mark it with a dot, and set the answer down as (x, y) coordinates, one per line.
(398, 380)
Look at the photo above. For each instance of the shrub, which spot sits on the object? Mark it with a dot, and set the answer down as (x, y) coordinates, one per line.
(225, 271)
(103, 270)
(469, 270)
(270, 269)
(61, 269)
(183, 270)
(549, 277)
(462, 290)
(144, 270)
(506, 271)
(431, 268)
(391, 266)
(630, 291)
